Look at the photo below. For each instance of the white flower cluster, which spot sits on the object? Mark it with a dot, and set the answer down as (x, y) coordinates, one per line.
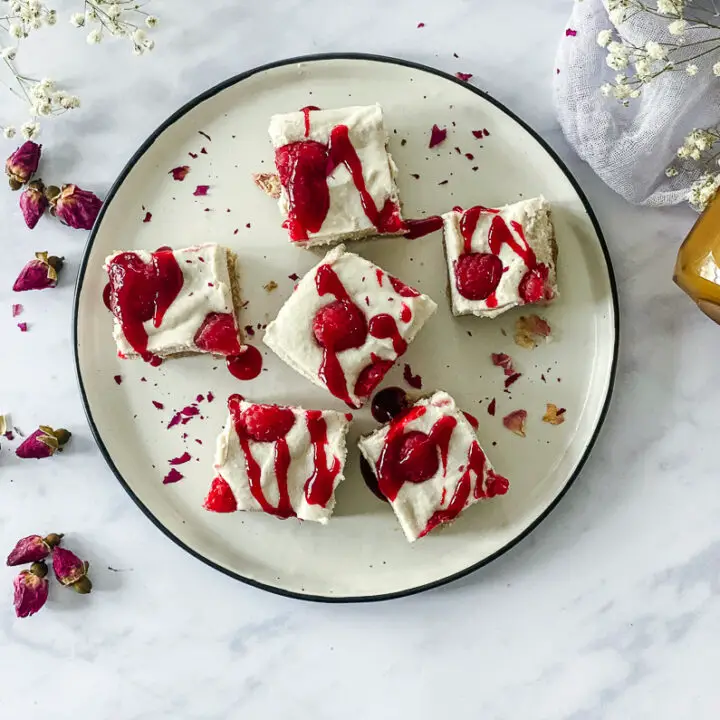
(120, 18)
(117, 18)
(24, 16)
(696, 143)
(703, 190)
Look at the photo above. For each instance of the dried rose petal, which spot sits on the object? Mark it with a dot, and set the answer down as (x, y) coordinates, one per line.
(201, 190)
(414, 381)
(70, 570)
(31, 590)
(22, 164)
(269, 183)
(172, 477)
(180, 173)
(270, 286)
(515, 422)
(158, 405)
(148, 217)
(43, 443)
(510, 379)
(491, 407)
(23, 326)
(421, 25)
(40, 273)
(185, 457)
(33, 203)
(437, 135)
(570, 32)
(463, 76)
(76, 207)
(504, 361)
(17, 308)
(529, 328)
(477, 133)
(32, 549)
(210, 397)
(554, 415)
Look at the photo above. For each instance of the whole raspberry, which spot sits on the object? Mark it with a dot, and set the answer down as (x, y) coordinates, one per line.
(477, 275)
(417, 457)
(267, 423)
(532, 286)
(341, 325)
(220, 499)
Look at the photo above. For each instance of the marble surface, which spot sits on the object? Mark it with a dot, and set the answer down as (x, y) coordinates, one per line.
(610, 609)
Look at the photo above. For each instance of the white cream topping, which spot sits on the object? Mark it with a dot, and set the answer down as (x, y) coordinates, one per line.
(346, 217)
(290, 334)
(230, 463)
(534, 217)
(416, 502)
(206, 289)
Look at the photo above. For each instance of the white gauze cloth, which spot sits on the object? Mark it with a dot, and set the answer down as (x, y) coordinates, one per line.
(631, 147)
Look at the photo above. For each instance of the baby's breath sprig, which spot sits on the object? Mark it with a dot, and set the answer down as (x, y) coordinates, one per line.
(693, 34)
(18, 18)
(21, 17)
(117, 18)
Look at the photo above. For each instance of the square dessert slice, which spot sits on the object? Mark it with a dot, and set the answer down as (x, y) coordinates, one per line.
(429, 465)
(346, 324)
(174, 302)
(500, 258)
(336, 175)
(284, 461)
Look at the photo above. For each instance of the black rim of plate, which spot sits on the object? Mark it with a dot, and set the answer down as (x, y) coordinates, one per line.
(209, 94)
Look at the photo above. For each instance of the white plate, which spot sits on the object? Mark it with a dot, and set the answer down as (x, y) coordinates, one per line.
(361, 554)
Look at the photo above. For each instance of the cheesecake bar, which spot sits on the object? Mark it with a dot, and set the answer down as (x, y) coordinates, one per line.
(284, 461)
(337, 177)
(170, 303)
(429, 465)
(346, 324)
(500, 258)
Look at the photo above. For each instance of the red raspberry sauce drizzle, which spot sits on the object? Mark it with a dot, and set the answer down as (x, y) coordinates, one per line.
(284, 507)
(495, 485)
(320, 485)
(382, 326)
(306, 113)
(389, 479)
(498, 235)
(247, 365)
(304, 167)
(140, 292)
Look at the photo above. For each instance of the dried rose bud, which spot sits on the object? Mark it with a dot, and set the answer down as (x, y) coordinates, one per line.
(40, 273)
(71, 571)
(22, 164)
(33, 203)
(43, 443)
(75, 207)
(33, 548)
(31, 590)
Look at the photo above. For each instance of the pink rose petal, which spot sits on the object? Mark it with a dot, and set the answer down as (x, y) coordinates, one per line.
(16, 309)
(158, 405)
(570, 32)
(437, 135)
(210, 397)
(185, 457)
(23, 327)
(201, 190)
(179, 173)
(172, 477)
(148, 217)
(463, 76)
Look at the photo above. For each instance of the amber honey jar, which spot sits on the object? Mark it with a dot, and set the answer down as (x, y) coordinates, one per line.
(697, 270)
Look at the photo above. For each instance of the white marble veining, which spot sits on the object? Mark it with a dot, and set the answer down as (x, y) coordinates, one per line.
(610, 609)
